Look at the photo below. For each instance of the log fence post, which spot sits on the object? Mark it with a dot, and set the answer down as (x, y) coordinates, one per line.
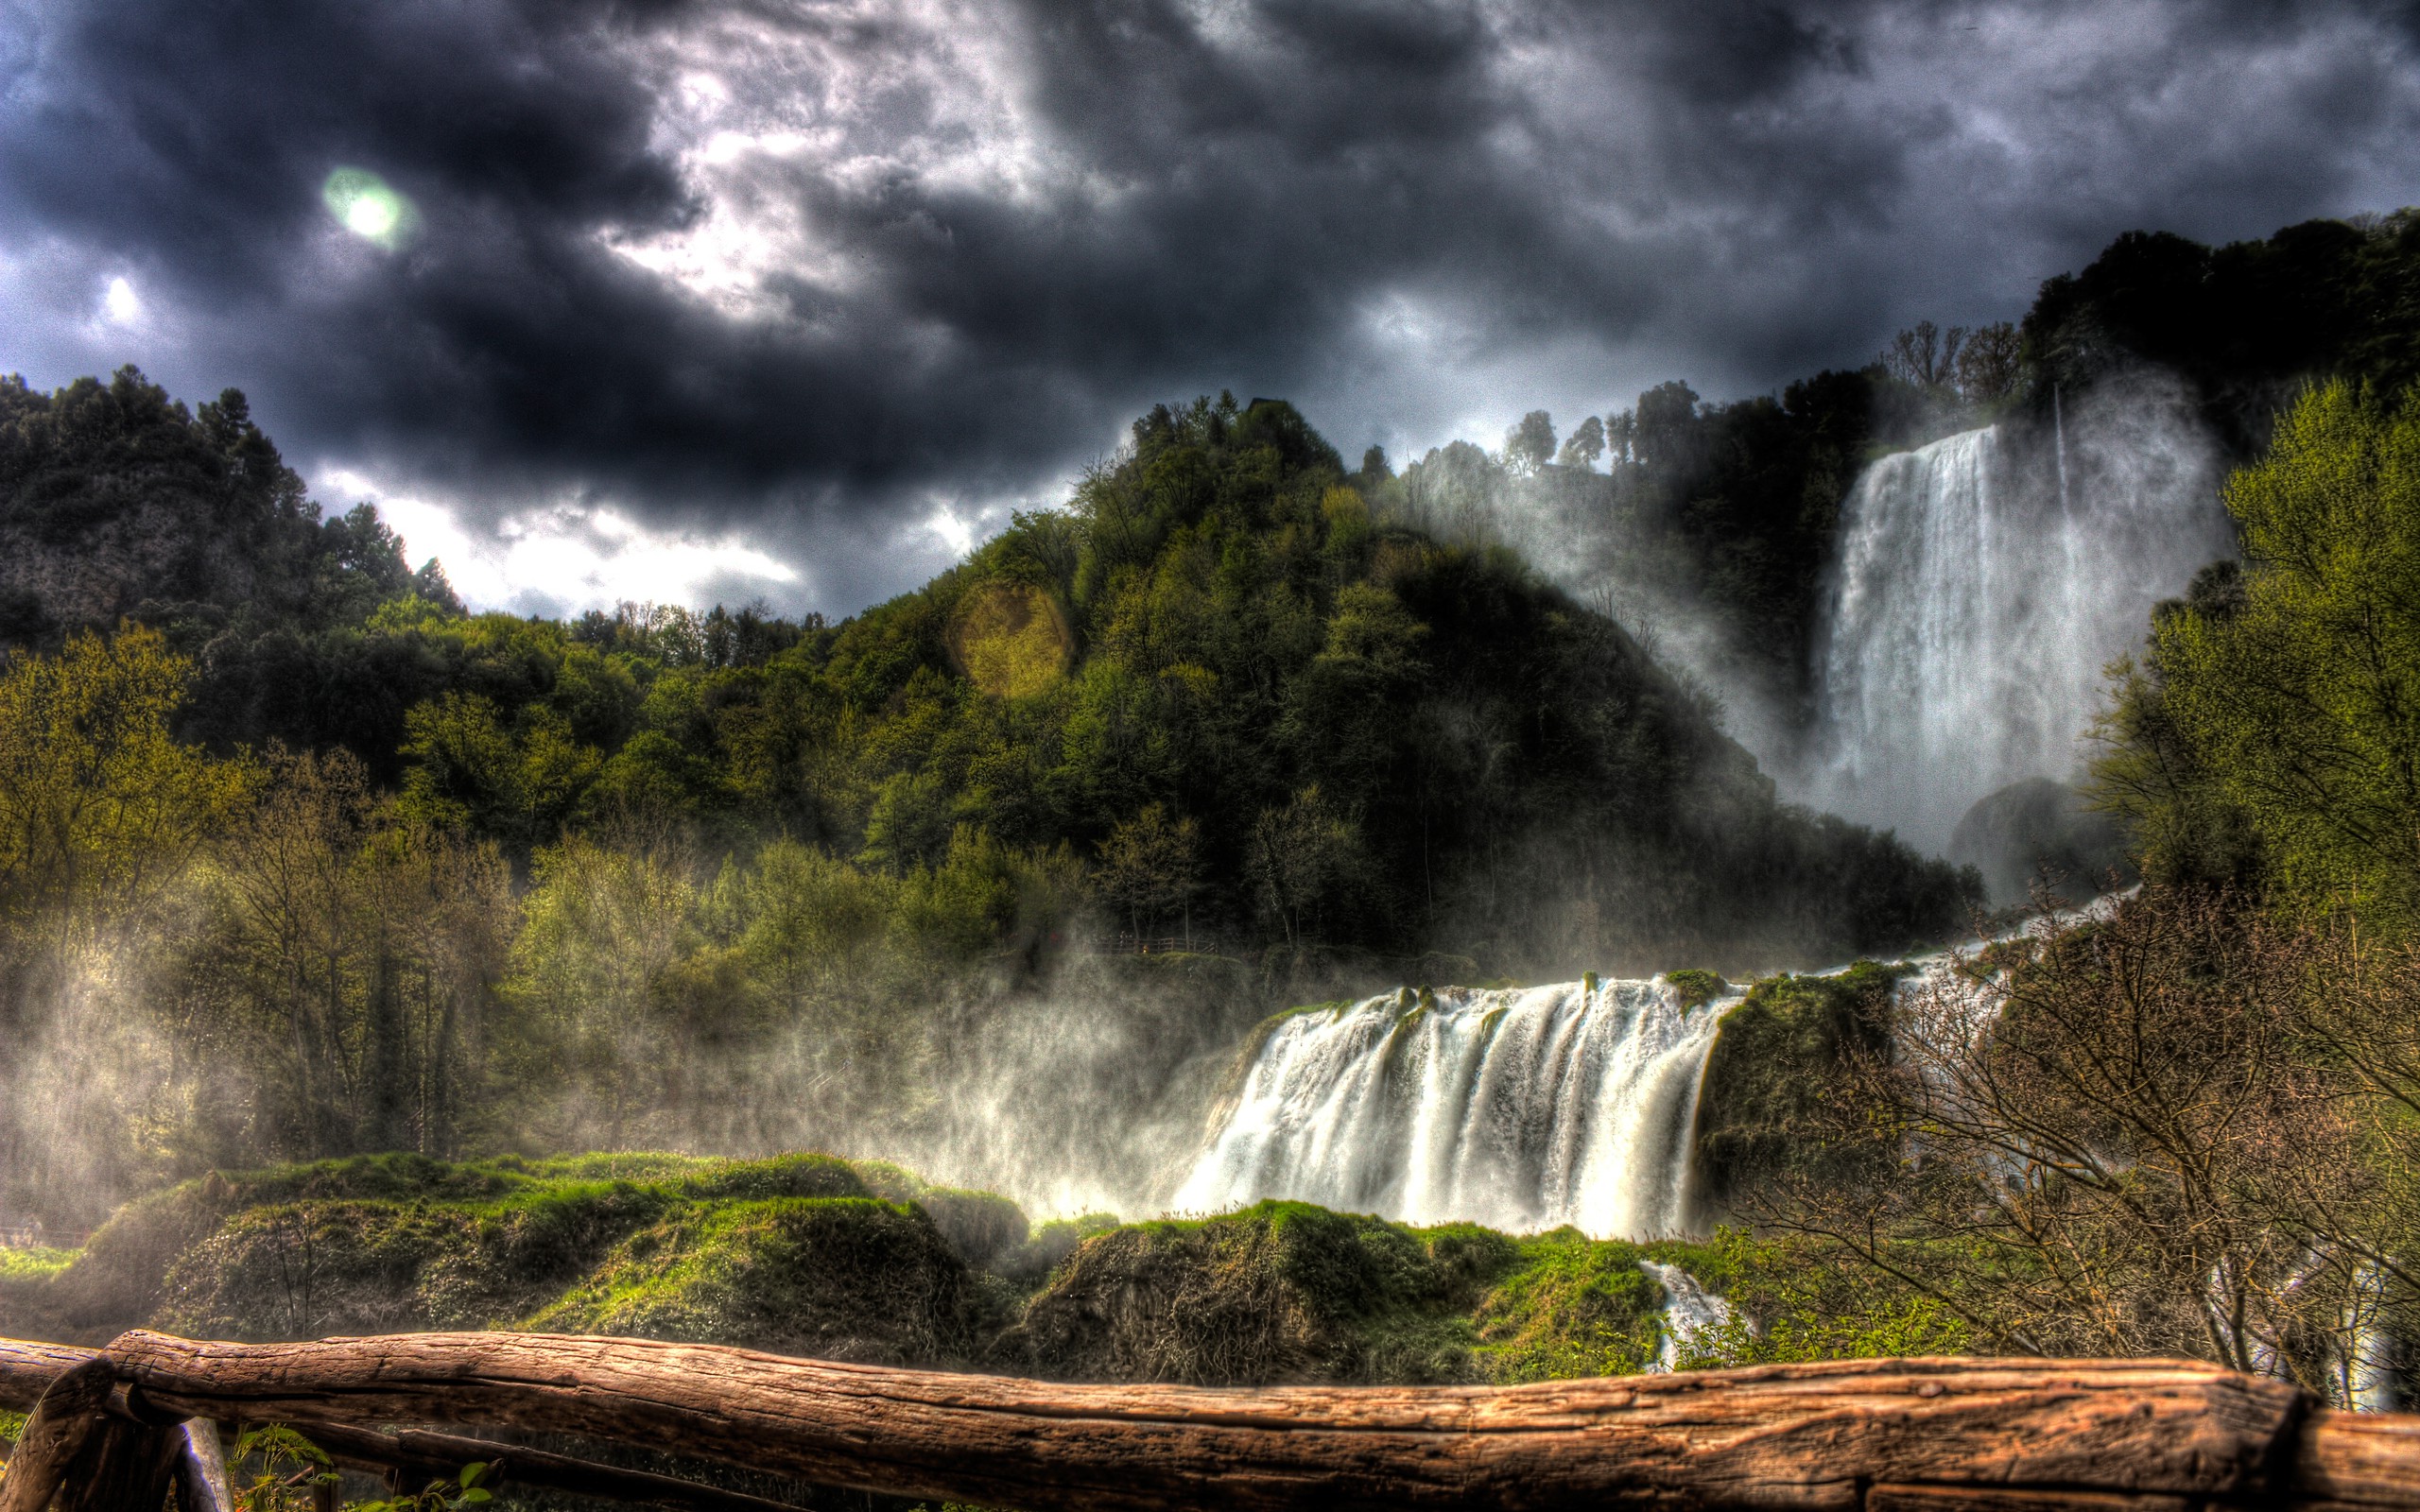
(57, 1431)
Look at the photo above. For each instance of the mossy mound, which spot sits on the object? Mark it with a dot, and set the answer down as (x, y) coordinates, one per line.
(117, 1281)
(1048, 1246)
(837, 1278)
(331, 1243)
(1778, 1057)
(1288, 1292)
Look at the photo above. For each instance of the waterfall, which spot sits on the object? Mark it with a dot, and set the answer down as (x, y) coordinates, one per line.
(1689, 1311)
(1973, 607)
(1520, 1109)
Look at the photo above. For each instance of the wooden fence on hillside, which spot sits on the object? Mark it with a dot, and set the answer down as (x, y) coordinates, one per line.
(111, 1430)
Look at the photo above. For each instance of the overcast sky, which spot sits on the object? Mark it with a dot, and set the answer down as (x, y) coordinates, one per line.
(795, 299)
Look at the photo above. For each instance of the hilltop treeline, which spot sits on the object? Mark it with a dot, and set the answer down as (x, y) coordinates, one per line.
(300, 859)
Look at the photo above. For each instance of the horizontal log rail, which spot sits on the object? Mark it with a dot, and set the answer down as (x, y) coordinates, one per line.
(1870, 1435)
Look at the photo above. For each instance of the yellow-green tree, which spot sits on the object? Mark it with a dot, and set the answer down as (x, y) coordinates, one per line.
(102, 815)
(2297, 694)
(101, 807)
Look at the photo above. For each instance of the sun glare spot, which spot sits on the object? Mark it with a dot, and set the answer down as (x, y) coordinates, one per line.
(120, 302)
(364, 204)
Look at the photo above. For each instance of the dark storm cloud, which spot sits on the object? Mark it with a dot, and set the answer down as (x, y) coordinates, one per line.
(806, 262)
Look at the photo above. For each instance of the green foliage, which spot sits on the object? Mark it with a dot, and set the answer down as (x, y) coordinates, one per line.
(34, 1261)
(2291, 691)
(1792, 1299)
(287, 1470)
(1567, 1306)
(463, 1489)
(100, 806)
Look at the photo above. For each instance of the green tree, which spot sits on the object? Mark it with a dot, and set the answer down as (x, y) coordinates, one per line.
(1151, 867)
(2297, 693)
(1301, 855)
(101, 807)
(103, 817)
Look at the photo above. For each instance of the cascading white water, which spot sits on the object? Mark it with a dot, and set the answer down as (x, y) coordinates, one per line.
(1518, 1109)
(1689, 1310)
(1970, 616)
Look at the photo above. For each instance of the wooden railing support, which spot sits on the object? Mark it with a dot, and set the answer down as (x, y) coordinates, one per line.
(1886, 1435)
(64, 1412)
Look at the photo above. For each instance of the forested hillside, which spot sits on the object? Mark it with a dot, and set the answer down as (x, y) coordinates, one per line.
(301, 859)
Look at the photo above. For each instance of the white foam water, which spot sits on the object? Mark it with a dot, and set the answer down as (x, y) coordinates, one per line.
(1520, 1109)
(1689, 1310)
(1969, 617)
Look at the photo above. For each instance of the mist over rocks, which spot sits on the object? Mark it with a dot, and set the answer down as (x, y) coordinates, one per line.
(2039, 832)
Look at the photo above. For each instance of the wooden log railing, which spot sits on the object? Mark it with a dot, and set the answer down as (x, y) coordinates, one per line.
(1871, 1435)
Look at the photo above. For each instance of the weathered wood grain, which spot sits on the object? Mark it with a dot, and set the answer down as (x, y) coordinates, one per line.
(1808, 1437)
(2360, 1459)
(1891, 1435)
(2015, 1499)
(27, 1366)
(123, 1467)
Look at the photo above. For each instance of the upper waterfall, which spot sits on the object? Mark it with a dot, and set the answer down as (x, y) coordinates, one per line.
(1973, 604)
(1519, 1108)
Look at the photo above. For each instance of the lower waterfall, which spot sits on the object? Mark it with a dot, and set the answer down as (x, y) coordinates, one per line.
(1520, 1109)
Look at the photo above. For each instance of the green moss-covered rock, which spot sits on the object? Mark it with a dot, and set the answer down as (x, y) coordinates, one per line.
(1779, 1055)
(838, 1278)
(1697, 988)
(539, 1221)
(811, 1255)
(1281, 1291)
(118, 1282)
(1289, 1292)
(296, 1269)
(1048, 1246)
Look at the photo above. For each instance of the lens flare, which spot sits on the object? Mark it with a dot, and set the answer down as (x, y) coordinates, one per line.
(364, 204)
